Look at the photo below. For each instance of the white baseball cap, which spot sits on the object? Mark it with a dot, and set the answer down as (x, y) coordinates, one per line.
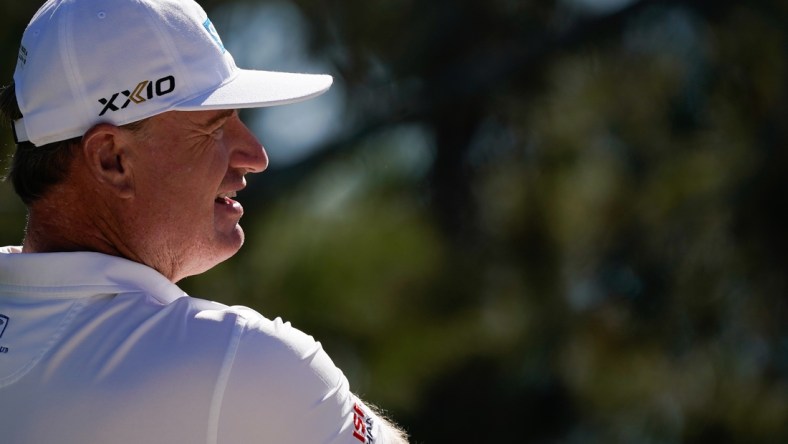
(83, 62)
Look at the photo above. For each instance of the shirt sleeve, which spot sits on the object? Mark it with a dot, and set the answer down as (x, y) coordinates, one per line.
(281, 387)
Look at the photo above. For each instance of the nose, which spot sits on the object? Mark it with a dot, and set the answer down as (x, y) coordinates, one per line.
(247, 152)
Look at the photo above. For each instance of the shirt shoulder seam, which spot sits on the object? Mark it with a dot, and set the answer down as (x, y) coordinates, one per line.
(223, 378)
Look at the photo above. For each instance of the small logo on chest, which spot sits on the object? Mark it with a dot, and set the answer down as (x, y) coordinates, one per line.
(3, 324)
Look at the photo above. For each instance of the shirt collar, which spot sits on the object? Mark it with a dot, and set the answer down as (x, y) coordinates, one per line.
(75, 274)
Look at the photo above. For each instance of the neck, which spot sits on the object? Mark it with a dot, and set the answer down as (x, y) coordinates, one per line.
(56, 223)
(62, 223)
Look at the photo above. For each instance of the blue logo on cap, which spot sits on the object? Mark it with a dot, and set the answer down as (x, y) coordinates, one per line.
(212, 31)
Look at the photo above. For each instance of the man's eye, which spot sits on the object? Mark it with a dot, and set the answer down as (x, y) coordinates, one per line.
(218, 133)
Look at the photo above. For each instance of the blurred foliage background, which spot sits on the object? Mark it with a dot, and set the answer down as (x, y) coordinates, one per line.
(510, 221)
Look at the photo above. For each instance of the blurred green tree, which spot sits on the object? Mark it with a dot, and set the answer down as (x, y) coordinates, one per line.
(537, 221)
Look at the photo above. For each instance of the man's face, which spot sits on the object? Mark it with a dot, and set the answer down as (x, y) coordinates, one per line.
(187, 167)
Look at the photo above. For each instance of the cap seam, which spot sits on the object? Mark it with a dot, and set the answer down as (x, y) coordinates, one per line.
(166, 43)
(67, 59)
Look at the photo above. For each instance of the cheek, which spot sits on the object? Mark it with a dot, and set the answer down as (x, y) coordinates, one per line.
(189, 181)
(189, 178)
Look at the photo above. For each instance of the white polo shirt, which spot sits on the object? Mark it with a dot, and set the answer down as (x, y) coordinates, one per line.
(99, 349)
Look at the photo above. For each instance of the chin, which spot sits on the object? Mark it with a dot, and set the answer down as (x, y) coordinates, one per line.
(210, 254)
(229, 244)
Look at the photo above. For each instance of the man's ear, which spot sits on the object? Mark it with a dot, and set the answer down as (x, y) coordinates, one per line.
(106, 151)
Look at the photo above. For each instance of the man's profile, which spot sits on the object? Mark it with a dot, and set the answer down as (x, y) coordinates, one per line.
(129, 156)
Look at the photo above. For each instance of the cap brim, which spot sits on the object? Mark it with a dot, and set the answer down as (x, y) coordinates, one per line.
(253, 89)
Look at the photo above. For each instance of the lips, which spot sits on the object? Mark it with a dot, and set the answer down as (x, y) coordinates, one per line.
(225, 197)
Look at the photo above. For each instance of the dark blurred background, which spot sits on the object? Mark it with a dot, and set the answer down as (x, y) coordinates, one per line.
(510, 221)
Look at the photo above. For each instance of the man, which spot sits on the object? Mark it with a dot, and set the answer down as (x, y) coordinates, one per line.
(129, 156)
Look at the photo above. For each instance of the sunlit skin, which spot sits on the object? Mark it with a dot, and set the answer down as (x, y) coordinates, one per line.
(157, 196)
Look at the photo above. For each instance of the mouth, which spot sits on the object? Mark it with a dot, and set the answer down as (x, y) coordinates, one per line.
(225, 198)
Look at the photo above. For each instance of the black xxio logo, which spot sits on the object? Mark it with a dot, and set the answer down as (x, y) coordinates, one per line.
(151, 89)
